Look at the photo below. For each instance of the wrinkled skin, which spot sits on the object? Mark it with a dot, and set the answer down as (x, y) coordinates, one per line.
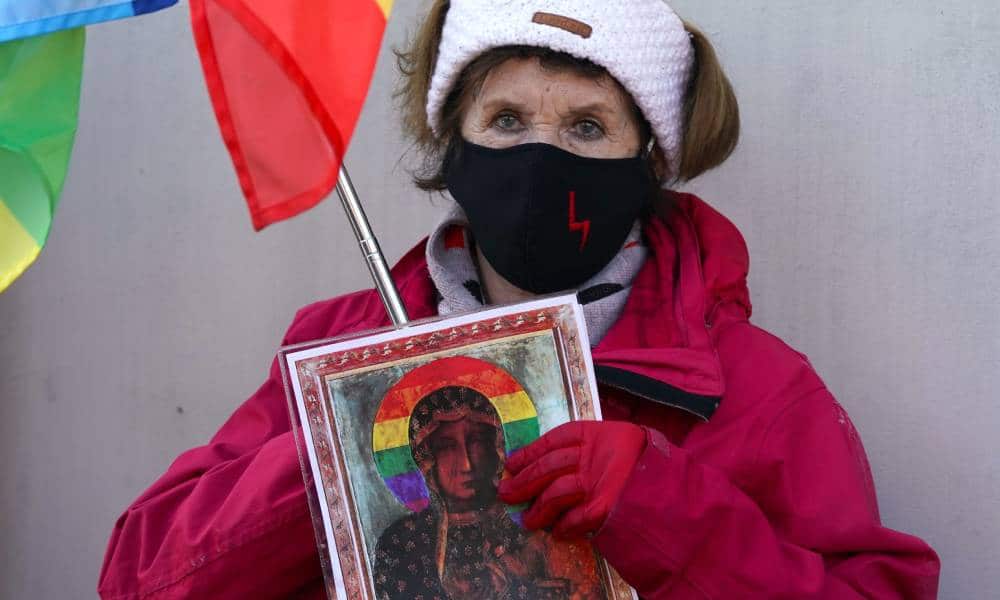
(521, 102)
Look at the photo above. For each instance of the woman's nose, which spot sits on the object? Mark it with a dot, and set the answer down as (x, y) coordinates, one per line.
(543, 133)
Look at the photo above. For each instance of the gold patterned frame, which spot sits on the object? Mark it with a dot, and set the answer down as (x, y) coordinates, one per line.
(307, 367)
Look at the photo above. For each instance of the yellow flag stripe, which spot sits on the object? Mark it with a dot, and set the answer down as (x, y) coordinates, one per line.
(391, 434)
(385, 6)
(17, 248)
(514, 407)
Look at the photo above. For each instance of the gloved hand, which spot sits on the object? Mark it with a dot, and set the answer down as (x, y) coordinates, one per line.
(575, 473)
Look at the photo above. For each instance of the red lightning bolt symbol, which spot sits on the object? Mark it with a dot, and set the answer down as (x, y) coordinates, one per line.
(575, 225)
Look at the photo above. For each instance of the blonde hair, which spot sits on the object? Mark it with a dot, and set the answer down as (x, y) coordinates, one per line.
(711, 112)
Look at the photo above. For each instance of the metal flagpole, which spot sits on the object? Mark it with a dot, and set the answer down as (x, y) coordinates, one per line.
(370, 249)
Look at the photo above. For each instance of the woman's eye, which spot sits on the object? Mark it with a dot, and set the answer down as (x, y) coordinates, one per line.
(588, 130)
(506, 122)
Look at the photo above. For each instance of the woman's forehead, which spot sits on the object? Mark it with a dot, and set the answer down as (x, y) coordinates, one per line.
(527, 81)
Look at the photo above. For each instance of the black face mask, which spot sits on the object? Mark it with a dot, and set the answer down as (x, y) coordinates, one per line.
(546, 219)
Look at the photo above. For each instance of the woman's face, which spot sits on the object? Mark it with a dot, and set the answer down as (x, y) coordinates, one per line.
(465, 463)
(521, 102)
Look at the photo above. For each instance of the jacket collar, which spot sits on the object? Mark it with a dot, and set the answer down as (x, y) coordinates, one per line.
(661, 348)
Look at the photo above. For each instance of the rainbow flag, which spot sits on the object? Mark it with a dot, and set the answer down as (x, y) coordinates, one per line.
(287, 79)
(390, 433)
(24, 18)
(39, 99)
(39, 95)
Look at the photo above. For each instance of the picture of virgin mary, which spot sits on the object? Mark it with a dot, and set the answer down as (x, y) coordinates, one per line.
(463, 542)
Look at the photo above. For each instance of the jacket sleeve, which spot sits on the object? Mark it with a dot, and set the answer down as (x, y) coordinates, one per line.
(227, 520)
(804, 524)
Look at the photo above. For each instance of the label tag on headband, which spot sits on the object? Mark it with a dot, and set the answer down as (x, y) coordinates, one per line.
(565, 23)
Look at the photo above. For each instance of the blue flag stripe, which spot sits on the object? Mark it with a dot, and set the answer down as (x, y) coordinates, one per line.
(20, 19)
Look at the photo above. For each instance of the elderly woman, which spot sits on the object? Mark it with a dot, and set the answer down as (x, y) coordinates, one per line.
(724, 468)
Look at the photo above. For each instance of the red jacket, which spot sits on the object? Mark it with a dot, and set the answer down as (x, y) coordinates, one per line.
(754, 483)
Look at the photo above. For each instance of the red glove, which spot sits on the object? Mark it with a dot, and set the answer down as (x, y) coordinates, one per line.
(575, 473)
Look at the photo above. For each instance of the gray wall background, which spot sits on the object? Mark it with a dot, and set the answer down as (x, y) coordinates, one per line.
(865, 185)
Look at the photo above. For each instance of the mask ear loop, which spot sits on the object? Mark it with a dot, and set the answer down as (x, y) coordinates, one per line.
(649, 147)
(647, 156)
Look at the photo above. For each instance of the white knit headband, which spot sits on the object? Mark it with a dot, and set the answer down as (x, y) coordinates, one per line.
(642, 44)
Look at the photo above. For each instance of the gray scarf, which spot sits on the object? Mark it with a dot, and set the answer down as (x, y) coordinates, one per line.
(454, 274)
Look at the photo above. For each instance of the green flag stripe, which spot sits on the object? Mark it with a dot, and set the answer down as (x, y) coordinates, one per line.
(521, 433)
(395, 461)
(39, 102)
(25, 194)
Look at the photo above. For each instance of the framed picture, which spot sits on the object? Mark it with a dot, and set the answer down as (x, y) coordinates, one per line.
(403, 435)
